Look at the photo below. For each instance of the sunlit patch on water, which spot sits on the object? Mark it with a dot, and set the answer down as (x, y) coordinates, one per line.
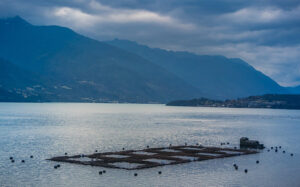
(116, 156)
(126, 165)
(231, 152)
(190, 158)
(195, 120)
(159, 161)
(143, 153)
(208, 154)
(84, 159)
(170, 150)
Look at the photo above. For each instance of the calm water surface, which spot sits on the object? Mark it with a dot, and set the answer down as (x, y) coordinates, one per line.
(46, 130)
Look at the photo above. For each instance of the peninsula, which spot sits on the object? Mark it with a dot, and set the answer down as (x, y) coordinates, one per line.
(276, 101)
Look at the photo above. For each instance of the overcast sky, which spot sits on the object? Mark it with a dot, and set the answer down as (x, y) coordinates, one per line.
(265, 33)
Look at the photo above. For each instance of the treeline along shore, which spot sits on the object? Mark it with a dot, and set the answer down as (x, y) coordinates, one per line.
(276, 101)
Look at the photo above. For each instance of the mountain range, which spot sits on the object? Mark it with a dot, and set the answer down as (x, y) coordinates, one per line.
(56, 64)
(217, 76)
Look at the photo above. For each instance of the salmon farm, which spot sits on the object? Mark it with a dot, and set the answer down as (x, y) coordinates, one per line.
(152, 157)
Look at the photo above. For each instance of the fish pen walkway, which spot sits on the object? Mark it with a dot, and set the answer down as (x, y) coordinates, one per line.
(152, 157)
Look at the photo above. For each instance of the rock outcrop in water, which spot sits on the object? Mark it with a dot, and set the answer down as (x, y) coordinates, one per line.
(246, 143)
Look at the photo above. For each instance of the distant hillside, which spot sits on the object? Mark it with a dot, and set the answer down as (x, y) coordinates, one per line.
(265, 101)
(52, 63)
(217, 77)
(71, 67)
(17, 84)
(294, 90)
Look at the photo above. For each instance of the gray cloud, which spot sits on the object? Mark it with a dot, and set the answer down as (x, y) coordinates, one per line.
(265, 33)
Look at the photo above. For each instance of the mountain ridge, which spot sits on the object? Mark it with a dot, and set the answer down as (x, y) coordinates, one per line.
(71, 59)
(70, 67)
(220, 77)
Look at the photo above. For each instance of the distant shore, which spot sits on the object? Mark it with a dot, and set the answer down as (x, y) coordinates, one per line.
(274, 101)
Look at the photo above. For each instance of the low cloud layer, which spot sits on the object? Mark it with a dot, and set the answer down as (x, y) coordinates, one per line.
(265, 33)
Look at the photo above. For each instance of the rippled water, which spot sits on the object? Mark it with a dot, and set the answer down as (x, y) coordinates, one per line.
(46, 130)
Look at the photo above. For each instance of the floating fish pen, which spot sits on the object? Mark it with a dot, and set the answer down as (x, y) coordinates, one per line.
(152, 157)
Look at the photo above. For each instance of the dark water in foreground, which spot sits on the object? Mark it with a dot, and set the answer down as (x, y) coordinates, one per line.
(46, 130)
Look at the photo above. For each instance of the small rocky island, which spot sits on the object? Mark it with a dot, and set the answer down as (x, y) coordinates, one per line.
(276, 101)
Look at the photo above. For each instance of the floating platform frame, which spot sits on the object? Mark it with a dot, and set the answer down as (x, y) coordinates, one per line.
(152, 157)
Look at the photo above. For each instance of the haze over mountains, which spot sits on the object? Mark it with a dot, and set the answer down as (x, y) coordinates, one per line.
(52, 63)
